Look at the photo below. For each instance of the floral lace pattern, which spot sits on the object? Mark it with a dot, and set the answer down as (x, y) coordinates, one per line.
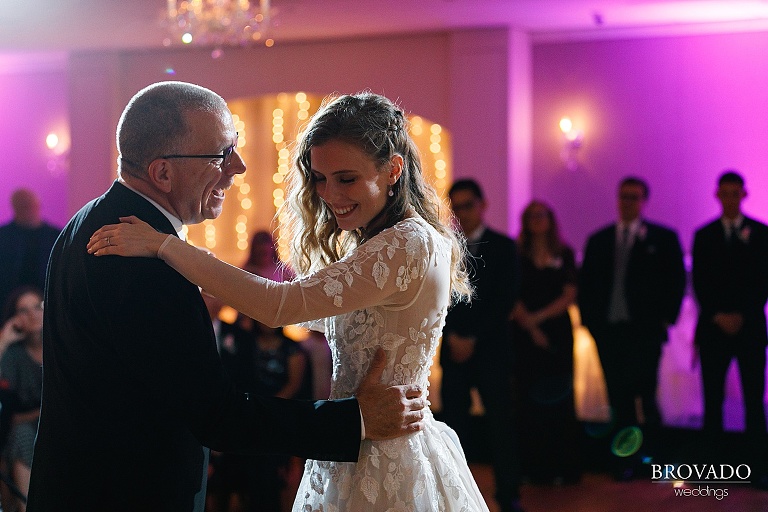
(407, 268)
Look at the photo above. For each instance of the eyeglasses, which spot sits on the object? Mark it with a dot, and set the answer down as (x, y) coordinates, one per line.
(226, 155)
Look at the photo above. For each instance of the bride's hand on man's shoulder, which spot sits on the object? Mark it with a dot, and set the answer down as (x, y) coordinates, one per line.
(132, 237)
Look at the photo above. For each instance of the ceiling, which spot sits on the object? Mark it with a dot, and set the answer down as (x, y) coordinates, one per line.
(60, 26)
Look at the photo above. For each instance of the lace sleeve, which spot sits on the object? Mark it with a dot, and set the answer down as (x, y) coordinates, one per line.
(386, 270)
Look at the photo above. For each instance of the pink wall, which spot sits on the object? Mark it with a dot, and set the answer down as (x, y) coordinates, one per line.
(675, 110)
(484, 103)
(32, 104)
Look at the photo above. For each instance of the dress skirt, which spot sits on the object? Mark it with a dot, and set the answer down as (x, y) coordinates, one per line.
(426, 471)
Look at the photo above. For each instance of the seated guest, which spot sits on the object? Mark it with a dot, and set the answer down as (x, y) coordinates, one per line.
(21, 374)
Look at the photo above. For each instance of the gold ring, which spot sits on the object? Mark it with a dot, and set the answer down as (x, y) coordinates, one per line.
(108, 242)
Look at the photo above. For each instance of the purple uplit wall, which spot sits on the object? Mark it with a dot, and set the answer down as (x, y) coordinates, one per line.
(32, 105)
(674, 110)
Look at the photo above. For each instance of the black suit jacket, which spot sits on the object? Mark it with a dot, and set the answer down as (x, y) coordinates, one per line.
(654, 283)
(731, 277)
(495, 274)
(133, 387)
(15, 242)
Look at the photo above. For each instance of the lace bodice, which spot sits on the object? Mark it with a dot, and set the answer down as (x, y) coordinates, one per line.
(392, 292)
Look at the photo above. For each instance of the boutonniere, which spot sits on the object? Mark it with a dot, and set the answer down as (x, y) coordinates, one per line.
(642, 232)
(744, 234)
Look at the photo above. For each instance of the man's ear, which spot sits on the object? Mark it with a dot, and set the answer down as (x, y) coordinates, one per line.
(159, 173)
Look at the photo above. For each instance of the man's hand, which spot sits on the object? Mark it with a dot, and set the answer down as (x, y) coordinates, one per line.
(462, 347)
(389, 411)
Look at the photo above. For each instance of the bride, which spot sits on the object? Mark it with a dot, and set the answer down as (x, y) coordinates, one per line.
(377, 267)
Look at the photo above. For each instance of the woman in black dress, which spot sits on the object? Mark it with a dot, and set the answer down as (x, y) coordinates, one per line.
(544, 345)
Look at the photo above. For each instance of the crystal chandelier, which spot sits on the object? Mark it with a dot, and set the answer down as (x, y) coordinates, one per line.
(219, 22)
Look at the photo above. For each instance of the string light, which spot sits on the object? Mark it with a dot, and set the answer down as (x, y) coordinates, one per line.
(210, 233)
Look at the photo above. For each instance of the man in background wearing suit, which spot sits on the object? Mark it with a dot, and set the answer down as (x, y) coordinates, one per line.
(476, 349)
(134, 392)
(25, 244)
(631, 287)
(730, 280)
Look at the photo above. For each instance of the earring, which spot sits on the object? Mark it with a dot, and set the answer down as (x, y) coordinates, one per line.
(390, 193)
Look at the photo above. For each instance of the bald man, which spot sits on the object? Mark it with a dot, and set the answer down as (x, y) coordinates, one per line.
(25, 244)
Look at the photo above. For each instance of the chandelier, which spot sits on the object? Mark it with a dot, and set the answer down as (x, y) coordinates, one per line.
(219, 23)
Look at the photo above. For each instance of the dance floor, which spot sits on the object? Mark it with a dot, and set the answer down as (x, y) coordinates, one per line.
(598, 492)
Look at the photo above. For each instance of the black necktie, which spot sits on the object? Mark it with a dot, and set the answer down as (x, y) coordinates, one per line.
(618, 309)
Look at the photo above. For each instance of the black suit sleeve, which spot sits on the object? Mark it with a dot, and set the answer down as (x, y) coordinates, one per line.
(672, 277)
(167, 340)
(591, 288)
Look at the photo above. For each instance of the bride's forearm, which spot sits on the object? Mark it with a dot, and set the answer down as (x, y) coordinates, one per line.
(250, 294)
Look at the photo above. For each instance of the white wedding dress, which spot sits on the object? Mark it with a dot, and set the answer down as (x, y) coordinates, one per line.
(391, 292)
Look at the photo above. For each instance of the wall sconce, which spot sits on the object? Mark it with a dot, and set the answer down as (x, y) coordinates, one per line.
(58, 154)
(572, 140)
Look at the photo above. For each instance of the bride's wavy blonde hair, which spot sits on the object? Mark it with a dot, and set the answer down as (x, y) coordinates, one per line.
(380, 129)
